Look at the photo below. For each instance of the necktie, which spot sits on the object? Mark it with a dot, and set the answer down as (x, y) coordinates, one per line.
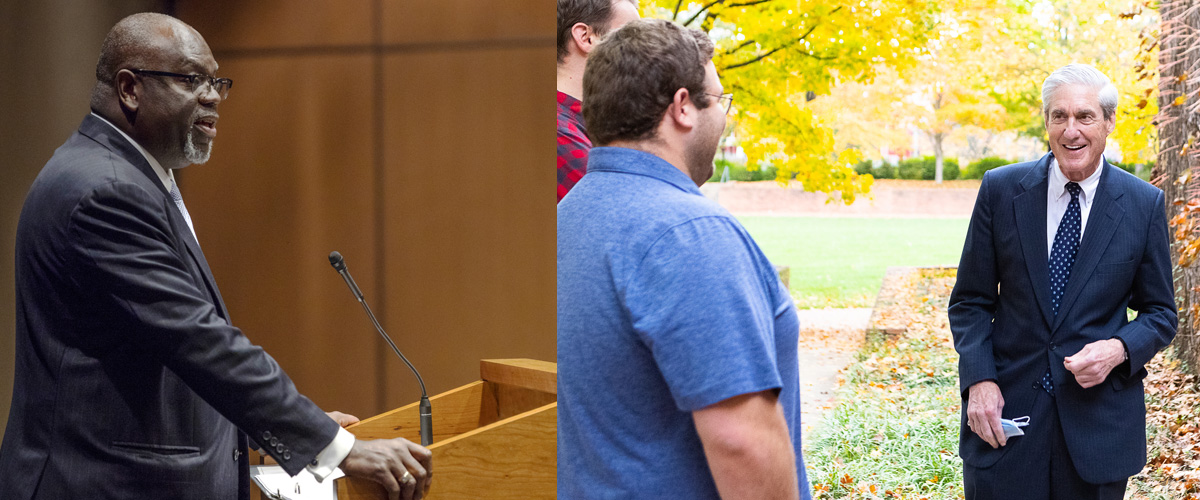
(1062, 257)
(182, 209)
(1066, 243)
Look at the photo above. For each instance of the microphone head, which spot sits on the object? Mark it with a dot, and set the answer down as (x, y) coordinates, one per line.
(335, 260)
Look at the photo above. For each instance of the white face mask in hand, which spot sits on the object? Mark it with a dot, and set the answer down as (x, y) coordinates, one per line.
(1013, 427)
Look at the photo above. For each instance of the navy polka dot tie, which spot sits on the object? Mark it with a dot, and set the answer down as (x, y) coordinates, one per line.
(1066, 243)
(1062, 257)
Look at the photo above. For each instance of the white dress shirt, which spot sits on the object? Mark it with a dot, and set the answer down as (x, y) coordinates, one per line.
(337, 450)
(1057, 200)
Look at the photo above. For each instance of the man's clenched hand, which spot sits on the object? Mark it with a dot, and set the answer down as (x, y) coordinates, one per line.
(1092, 364)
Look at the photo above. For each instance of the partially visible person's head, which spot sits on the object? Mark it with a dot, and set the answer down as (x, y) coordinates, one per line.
(1079, 105)
(172, 116)
(581, 20)
(642, 77)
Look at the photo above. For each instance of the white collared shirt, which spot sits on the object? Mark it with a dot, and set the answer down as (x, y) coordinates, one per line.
(332, 455)
(1057, 200)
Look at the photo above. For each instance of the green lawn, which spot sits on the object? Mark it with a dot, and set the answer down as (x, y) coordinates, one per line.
(840, 261)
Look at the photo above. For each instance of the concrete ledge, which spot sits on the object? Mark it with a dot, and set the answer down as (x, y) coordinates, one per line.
(889, 199)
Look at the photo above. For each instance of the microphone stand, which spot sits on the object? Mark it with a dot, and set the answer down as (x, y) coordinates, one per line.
(426, 411)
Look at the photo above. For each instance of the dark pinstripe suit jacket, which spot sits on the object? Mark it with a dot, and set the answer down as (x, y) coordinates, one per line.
(1004, 329)
(130, 381)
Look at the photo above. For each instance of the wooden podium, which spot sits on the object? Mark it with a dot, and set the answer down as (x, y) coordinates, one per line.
(495, 438)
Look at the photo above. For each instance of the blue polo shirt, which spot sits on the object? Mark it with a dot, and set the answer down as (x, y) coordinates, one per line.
(665, 306)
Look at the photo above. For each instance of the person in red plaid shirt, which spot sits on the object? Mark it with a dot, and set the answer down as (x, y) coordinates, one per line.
(581, 23)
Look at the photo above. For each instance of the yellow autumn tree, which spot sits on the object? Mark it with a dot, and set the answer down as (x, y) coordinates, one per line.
(776, 55)
(1119, 38)
(983, 68)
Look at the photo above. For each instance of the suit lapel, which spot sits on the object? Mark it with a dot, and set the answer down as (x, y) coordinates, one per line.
(1030, 210)
(107, 136)
(1103, 220)
(193, 248)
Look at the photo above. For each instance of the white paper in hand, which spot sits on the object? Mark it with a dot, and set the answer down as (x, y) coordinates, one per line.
(277, 484)
(1013, 427)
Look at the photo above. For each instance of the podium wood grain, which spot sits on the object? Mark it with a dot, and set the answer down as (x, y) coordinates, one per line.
(493, 439)
(480, 464)
(454, 412)
(528, 373)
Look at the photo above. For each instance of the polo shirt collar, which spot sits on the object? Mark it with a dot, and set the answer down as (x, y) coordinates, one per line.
(632, 161)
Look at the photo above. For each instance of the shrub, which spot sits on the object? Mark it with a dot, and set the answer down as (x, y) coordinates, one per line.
(885, 170)
(1131, 167)
(739, 172)
(925, 168)
(976, 168)
(950, 170)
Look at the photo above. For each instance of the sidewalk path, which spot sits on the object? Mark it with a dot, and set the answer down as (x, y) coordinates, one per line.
(828, 340)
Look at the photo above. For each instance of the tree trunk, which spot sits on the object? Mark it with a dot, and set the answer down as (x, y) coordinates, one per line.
(1180, 22)
(938, 156)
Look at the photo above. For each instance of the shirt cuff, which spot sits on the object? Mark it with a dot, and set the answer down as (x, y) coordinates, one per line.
(331, 457)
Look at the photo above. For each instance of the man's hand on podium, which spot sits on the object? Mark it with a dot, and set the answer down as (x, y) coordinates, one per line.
(342, 419)
(404, 468)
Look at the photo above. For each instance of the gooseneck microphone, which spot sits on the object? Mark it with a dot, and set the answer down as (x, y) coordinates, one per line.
(338, 263)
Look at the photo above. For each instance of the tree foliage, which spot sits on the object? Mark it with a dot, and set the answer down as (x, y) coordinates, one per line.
(774, 55)
(952, 85)
(982, 70)
(877, 68)
(1118, 38)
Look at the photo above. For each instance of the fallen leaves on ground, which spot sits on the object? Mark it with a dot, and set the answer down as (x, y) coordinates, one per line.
(1173, 443)
(894, 432)
(839, 339)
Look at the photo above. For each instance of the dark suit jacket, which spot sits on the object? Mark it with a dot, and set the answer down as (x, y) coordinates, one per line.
(130, 381)
(1005, 331)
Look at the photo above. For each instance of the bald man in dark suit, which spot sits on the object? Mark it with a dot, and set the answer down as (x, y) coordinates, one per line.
(130, 380)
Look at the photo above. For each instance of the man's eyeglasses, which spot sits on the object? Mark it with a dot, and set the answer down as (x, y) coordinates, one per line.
(726, 98)
(194, 83)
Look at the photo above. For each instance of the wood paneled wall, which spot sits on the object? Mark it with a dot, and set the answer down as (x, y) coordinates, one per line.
(413, 137)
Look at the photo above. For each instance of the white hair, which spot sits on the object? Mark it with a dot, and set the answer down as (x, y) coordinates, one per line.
(1081, 74)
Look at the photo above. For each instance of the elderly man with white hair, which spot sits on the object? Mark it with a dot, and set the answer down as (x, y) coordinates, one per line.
(1050, 366)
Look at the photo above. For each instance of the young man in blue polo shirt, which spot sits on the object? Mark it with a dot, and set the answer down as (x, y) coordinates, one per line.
(678, 375)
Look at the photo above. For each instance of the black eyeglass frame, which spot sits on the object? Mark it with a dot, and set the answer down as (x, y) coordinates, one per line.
(720, 97)
(221, 85)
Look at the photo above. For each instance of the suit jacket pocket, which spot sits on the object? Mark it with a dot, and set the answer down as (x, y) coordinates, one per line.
(165, 450)
(1117, 267)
